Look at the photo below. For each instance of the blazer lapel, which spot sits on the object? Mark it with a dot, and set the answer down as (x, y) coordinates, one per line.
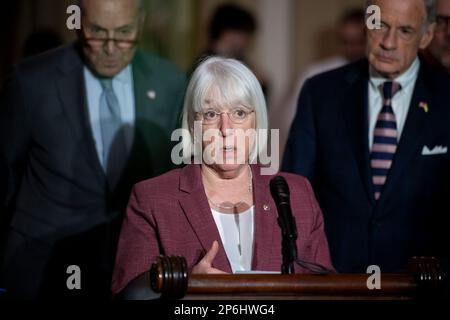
(198, 213)
(196, 208)
(154, 103)
(142, 93)
(354, 101)
(265, 221)
(412, 137)
(72, 94)
(146, 92)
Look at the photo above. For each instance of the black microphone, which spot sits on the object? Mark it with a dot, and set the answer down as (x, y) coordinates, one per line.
(280, 194)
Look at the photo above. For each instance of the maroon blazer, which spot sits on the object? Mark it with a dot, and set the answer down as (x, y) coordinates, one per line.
(170, 215)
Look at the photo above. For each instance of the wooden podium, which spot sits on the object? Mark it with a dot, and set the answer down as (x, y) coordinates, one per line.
(169, 276)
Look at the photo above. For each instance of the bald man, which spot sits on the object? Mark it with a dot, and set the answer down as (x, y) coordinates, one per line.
(79, 126)
(373, 139)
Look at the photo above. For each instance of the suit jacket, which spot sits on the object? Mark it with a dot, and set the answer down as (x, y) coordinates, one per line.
(55, 185)
(170, 215)
(328, 143)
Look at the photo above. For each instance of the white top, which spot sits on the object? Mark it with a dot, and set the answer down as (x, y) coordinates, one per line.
(400, 102)
(236, 232)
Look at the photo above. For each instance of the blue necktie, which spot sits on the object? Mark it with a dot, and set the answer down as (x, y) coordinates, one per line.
(113, 138)
(385, 139)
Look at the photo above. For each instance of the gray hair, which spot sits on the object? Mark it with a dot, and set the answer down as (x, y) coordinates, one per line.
(430, 7)
(235, 81)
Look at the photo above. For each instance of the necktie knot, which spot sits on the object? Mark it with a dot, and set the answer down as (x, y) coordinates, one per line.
(389, 89)
(106, 84)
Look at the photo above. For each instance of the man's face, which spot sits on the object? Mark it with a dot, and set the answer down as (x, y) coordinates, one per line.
(440, 46)
(109, 19)
(234, 43)
(393, 48)
(353, 40)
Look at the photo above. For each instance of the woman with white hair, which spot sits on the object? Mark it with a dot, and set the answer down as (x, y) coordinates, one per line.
(218, 213)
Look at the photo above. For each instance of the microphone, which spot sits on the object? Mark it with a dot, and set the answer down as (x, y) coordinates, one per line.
(280, 194)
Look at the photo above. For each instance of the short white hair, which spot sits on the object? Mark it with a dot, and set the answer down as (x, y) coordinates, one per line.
(235, 82)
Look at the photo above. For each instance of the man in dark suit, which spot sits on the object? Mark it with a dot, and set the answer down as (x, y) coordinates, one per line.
(373, 139)
(78, 127)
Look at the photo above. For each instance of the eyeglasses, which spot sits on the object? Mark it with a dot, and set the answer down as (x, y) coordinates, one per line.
(97, 43)
(237, 116)
(442, 22)
(123, 42)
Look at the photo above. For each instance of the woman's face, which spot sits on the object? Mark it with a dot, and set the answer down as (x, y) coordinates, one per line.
(228, 129)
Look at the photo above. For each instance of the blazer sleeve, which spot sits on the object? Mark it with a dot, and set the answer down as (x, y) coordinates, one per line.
(15, 140)
(138, 244)
(300, 153)
(317, 239)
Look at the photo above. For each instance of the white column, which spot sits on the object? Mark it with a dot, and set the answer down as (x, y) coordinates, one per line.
(274, 46)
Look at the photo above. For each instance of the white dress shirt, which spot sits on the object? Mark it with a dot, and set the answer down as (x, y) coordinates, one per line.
(400, 102)
(236, 232)
(124, 90)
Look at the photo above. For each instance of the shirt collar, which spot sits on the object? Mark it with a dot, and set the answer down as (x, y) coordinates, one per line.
(125, 75)
(406, 79)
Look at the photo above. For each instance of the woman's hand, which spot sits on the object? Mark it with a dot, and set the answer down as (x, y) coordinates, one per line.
(205, 265)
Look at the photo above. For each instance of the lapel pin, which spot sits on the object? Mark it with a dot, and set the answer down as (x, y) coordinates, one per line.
(424, 106)
(151, 94)
(266, 207)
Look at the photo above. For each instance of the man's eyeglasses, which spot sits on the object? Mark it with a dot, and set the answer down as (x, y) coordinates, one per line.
(442, 22)
(100, 41)
(237, 116)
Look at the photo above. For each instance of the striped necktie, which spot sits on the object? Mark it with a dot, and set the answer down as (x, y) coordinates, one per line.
(385, 139)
